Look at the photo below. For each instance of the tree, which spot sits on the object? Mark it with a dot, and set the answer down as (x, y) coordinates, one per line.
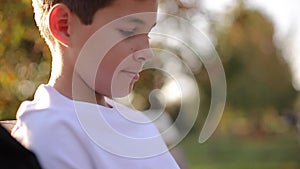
(23, 56)
(257, 75)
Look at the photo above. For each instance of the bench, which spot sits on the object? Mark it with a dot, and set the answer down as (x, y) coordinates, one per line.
(8, 124)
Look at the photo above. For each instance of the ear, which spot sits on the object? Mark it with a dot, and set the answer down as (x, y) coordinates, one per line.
(59, 23)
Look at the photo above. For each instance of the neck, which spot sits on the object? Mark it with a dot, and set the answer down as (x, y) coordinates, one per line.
(69, 83)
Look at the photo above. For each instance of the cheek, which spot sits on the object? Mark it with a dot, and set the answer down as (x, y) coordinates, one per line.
(120, 86)
(108, 79)
(104, 77)
(112, 83)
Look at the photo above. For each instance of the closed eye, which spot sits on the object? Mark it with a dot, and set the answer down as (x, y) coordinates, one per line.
(126, 32)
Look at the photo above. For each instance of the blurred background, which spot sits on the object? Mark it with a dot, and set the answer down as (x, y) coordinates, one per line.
(258, 44)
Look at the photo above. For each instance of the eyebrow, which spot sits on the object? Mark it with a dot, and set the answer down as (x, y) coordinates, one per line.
(139, 21)
(136, 20)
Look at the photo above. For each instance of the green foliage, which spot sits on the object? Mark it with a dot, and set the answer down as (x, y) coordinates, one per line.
(257, 75)
(23, 64)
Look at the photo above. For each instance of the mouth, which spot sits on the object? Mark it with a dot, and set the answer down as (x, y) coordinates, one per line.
(132, 74)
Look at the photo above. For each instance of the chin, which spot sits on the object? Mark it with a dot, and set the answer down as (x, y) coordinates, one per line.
(120, 93)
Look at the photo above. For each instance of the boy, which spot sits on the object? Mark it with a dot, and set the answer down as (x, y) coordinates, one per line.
(98, 48)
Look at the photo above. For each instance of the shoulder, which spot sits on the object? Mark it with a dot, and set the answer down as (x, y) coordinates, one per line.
(47, 111)
(46, 99)
(44, 119)
(50, 128)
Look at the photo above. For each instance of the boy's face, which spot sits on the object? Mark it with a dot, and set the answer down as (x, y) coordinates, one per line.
(110, 61)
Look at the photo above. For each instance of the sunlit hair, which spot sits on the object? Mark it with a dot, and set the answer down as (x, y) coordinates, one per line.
(84, 9)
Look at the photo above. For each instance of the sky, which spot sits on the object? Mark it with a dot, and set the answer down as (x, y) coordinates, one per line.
(285, 15)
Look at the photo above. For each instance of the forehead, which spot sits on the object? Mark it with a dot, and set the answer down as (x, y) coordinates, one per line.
(136, 5)
(145, 18)
(134, 11)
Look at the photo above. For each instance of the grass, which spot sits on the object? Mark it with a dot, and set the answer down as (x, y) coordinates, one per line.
(231, 152)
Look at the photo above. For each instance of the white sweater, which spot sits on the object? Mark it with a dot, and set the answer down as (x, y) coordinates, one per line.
(68, 134)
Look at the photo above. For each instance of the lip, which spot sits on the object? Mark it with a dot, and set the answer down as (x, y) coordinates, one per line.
(133, 74)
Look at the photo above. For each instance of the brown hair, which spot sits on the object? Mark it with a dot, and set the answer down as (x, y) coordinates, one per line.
(84, 9)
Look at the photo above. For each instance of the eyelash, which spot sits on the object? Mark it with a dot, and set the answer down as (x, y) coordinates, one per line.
(126, 32)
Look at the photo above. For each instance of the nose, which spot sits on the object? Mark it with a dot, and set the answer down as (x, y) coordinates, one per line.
(142, 51)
